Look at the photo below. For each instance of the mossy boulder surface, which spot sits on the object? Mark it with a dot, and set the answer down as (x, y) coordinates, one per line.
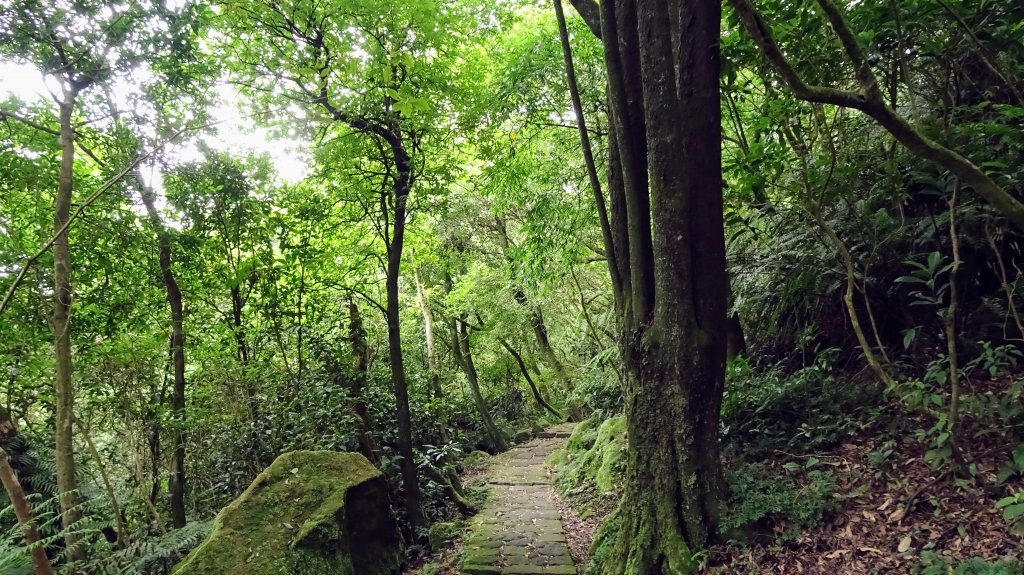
(594, 455)
(309, 513)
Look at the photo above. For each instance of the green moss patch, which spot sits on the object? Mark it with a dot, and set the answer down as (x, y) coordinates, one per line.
(309, 513)
(595, 456)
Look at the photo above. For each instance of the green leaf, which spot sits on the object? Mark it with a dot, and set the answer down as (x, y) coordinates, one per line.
(1018, 457)
(908, 337)
(1013, 511)
(1005, 501)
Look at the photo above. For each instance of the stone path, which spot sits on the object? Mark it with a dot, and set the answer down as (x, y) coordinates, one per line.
(519, 531)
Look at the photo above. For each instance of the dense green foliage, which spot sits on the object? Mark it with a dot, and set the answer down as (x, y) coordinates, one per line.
(879, 295)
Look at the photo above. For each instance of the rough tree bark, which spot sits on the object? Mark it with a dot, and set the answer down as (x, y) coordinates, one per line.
(666, 238)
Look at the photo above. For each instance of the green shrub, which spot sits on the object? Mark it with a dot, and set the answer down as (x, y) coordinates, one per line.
(583, 435)
(810, 408)
(764, 498)
(598, 387)
(933, 564)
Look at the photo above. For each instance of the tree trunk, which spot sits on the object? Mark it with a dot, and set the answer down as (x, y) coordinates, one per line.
(17, 447)
(463, 354)
(64, 452)
(176, 485)
(402, 187)
(428, 329)
(667, 238)
(23, 511)
(108, 486)
(529, 380)
(736, 341)
(361, 366)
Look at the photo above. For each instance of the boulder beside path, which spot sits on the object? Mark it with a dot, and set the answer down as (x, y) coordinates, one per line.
(309, 513)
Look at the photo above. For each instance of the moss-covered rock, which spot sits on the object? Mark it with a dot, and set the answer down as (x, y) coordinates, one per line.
(583, 435)
(309, 513)
(522, 436)
(537, 427)
(444, 532)
(476, 458)
(594, 455)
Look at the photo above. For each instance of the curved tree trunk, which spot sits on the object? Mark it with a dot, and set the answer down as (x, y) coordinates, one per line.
(464, 357)
(529, 380)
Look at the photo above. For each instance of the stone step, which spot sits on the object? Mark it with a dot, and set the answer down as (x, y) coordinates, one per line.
(518, 570)
(519, 531)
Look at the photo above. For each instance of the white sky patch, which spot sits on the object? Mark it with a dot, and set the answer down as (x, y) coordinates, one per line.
(24, 82)
(235, 132)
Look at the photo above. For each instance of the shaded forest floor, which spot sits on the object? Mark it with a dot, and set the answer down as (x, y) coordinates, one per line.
(890, 513)
(849, 489)
(862, 500)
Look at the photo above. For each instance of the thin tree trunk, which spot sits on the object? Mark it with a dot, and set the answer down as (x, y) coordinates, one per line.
(299, 336)
(176, 485)
(949, 324)
(529, 380)
(1004, 280)
(428, 329)
(23, 511)
(402, 188)
(581, 123)
(463, 354)
(108, 486)
(64, 452)
(361, 366)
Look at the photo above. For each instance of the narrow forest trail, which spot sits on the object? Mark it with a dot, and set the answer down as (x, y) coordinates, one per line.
(519, 530)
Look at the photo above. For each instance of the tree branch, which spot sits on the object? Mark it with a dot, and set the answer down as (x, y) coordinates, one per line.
(591, 14)
(869, 100)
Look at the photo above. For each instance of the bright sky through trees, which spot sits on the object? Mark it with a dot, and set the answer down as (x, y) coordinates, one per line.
(234, 133)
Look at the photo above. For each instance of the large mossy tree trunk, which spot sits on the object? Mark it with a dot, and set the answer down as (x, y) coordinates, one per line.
(666, 249)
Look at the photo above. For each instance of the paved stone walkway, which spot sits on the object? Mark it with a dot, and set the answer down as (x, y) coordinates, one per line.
(519, 531)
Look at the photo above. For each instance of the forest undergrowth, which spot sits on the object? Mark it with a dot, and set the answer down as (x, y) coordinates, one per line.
(846, 485)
